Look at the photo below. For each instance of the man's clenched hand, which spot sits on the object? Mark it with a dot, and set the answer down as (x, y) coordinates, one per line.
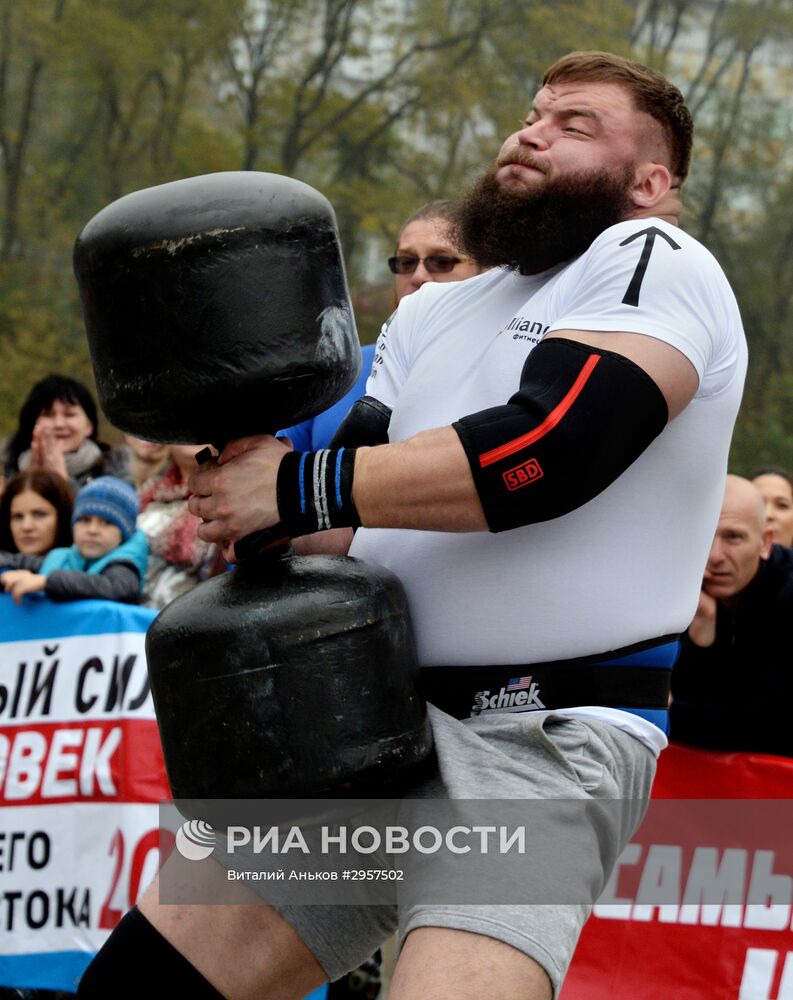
(235, 494)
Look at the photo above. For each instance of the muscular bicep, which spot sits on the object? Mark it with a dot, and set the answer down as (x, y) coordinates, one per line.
(668, 367)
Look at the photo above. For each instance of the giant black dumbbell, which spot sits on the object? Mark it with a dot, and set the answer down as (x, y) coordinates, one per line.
(217, 307)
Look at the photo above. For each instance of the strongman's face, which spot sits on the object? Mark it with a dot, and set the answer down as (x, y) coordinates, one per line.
(584, 160)
(577, 129)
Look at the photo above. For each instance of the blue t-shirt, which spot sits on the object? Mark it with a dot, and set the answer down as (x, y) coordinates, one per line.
(316, 432)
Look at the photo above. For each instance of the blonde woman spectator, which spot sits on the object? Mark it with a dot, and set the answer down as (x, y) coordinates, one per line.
(424, 252)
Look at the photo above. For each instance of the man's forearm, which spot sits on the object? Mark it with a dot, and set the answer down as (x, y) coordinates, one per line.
(423, 482)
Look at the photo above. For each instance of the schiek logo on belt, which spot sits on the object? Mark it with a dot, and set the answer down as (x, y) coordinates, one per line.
(521, 694)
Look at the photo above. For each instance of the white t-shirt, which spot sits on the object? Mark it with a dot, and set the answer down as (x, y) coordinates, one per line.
(621, 569)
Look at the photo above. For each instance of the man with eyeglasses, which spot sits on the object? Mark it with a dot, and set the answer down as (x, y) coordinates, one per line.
(432, 264)
(425, 250)
(558, 430)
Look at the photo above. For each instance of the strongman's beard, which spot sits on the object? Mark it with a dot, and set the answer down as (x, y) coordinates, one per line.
(532, 230)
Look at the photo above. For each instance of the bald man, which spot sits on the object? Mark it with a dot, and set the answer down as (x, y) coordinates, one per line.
(733, 683)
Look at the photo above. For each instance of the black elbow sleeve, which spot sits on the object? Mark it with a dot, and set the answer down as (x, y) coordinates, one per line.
(580, 418)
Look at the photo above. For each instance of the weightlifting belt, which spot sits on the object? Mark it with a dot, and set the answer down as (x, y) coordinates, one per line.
(634, 679)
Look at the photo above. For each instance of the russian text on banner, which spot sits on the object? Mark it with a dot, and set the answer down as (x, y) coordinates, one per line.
(81, 773)
(728, 935)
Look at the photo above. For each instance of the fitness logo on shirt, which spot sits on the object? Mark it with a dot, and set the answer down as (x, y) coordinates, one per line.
(521, 694)
(523, 328)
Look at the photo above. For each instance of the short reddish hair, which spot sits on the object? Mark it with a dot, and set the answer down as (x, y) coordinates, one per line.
(652, 93)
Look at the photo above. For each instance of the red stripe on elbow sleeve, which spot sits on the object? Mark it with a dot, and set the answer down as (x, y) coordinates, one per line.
(553, 418)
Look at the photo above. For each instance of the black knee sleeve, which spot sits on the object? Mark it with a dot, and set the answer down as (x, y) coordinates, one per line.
(137, 962)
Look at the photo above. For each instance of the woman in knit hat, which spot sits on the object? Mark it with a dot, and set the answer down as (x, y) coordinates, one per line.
(107, 560)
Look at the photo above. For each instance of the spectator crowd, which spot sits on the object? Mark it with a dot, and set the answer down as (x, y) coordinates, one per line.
(82, 519)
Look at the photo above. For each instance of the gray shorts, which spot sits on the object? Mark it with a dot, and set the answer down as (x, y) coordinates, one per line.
(530, 755)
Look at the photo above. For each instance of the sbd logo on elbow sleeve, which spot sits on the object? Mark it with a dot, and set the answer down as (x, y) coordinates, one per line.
(522, 475)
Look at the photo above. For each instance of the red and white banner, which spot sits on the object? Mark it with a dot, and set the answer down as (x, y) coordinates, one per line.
(81, 776)
(724, 932)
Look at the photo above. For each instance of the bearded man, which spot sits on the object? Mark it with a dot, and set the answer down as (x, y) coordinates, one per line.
(557, 433)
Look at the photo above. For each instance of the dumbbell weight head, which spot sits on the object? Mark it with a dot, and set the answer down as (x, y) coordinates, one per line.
(286, 679)
(216, 307)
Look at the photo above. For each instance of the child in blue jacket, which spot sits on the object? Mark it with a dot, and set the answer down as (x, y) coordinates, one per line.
(107, 560)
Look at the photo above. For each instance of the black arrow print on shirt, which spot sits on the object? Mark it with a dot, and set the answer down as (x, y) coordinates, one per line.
(631, 297)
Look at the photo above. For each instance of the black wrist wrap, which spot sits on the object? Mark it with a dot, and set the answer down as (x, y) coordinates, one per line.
(314, 491)
(581, 417)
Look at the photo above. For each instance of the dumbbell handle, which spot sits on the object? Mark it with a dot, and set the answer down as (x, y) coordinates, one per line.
(272, 539)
